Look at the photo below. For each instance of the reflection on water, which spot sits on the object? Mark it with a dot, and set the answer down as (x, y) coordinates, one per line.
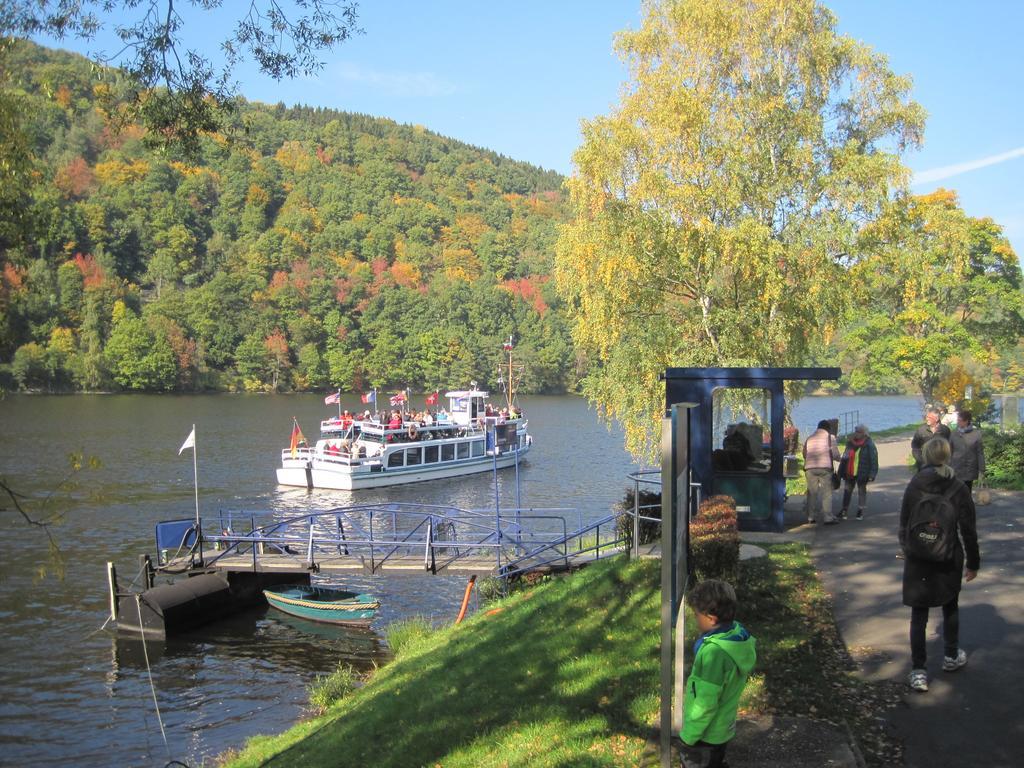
(74, 696)
(283, 641)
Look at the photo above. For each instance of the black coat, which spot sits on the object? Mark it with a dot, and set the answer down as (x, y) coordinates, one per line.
(927, 583)
(923, 435)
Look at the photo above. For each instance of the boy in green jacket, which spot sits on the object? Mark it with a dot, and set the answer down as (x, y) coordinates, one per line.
(724, 656)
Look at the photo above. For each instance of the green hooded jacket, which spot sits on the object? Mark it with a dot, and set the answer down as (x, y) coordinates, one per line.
(723, 661)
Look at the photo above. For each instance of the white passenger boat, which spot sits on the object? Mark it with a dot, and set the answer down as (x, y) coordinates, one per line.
(357, 453)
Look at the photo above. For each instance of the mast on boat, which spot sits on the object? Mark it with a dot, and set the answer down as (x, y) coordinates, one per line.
(509, 375)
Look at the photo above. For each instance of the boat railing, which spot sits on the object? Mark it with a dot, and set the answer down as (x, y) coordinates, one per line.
(303, 452)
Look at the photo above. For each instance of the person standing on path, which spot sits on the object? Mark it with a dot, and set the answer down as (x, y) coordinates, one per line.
(932, 427)
(930, 583)
(968, 460)
(820, 451)
(858, 467)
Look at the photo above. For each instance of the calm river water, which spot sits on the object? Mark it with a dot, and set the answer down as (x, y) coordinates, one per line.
(72, 695)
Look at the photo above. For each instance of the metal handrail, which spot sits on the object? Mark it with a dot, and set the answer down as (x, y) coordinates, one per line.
(307, 540)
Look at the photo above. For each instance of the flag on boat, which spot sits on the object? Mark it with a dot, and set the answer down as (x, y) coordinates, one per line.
(190, 441)
(369, 397)
(333, 399)
(398, 399)
(432, 399)
(297, 437)
(507, 346)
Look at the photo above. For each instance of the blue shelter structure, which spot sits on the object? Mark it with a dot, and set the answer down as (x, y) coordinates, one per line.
(736, 442)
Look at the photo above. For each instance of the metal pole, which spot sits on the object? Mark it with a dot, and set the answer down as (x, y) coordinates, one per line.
(309, 552)
(252, 535)
(667, 537)
(519, 505)
(195, 475)
(497, 508)
(636, 517)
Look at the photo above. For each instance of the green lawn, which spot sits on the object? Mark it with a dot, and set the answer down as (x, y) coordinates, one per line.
(566, 674)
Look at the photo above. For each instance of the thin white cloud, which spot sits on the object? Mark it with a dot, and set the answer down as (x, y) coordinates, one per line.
(948, 171)
(397, 83)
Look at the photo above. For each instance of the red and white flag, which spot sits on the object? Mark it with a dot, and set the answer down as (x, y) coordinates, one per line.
(333, 399)
(398, 399)
(432, 399)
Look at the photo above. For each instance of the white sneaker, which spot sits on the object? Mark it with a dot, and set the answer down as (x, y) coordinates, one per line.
(918, 680)
(953, 663)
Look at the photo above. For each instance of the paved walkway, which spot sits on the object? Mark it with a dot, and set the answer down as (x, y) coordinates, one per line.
(970, 718)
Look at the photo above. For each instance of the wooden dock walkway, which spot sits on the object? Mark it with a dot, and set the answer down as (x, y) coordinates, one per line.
(214, 560)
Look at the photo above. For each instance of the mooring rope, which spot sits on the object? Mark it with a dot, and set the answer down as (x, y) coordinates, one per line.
(149, 672)
(97, 631)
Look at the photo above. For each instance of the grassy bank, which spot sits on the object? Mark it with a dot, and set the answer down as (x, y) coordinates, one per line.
(566, 673)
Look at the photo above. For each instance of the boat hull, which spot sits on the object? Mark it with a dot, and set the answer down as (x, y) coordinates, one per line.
(316, 474)
(324, 605)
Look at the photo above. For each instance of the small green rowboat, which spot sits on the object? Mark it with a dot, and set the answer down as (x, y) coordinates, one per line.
(333, 606)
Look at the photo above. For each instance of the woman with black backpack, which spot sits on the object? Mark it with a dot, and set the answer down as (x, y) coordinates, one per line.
(937, 512)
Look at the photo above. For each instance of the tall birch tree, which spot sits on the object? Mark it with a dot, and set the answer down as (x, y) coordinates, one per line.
(716, 207)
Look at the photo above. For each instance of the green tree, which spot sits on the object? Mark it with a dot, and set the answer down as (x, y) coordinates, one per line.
(716, 207)
(29, 366)
(139, 359)
(937, 285)
(252, 358)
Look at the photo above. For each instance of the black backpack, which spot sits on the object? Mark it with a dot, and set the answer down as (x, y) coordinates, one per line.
(931, 526)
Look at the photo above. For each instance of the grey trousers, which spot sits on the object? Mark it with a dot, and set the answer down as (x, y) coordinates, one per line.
(819, 493)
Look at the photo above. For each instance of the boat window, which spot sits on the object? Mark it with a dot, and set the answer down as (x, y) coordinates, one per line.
(463, 450)
(430, 454)
(396, 459)
(413, 456)
(447, 452)
(478, 447)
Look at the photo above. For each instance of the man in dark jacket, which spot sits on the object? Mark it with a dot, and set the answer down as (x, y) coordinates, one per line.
(968, 460)
(927, 583)
(932, 427)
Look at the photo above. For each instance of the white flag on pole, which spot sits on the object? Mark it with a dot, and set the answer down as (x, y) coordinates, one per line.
(190, 441)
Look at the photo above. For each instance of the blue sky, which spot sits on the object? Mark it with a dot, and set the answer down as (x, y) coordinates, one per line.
(518, 78)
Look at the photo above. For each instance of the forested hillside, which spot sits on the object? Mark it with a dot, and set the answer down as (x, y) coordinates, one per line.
(307, 249)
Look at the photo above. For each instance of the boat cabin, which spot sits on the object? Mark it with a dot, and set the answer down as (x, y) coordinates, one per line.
(466, 406)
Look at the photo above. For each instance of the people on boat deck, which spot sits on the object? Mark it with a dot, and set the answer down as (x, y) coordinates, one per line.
(346, 419)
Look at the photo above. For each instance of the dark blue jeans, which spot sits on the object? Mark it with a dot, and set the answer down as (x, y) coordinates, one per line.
(950, 632)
